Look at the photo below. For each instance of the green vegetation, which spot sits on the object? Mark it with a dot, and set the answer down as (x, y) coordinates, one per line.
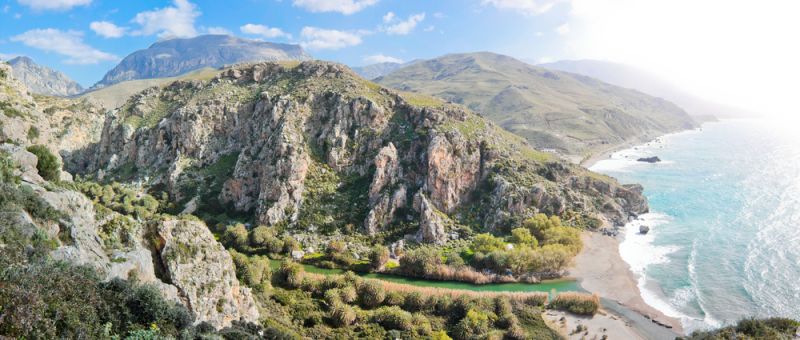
(10, 111)
(48, 165)
(121, 199)
(747, 329)
(33, 133)
(333, 202)
(578, 303)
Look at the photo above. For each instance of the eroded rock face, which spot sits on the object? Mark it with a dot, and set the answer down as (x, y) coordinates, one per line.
(432, 222)
(277, 122)
(204, 274)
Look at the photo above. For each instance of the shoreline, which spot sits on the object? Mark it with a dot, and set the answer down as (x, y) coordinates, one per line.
(600, 269)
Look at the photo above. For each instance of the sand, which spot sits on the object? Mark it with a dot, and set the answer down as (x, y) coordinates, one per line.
(600, 269)
(601, 324)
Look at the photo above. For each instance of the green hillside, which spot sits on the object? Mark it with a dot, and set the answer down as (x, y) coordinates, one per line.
(573, 114)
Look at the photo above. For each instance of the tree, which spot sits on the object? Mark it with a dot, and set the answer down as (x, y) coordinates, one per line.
(236, 236)
(475, 324)
(48, 165)
(378, 257)
(261, 236)
(523, 236)
(486, 243)
(291, 274)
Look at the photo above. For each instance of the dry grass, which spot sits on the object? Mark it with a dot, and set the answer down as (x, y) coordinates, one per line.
(578, 303)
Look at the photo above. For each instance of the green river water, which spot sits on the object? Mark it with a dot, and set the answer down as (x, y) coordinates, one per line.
(546, 286)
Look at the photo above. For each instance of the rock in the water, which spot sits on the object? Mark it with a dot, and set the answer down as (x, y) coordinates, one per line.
(653, 159)
(644, 229)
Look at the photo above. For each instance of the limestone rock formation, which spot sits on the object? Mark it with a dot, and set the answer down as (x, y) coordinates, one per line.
(204, 273)
(43, 80)
(432, 222)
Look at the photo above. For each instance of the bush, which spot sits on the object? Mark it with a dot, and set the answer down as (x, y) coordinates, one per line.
(48, 165)
(342, 314)
(577, 303)
(290, 274)
(371, 293)
(395, 298)
(378, 257)
(523, 236)
(421, 262)
(262, 237)
(474, 325)
(486, 243)
(235, 236)
(415, 301)
(393, 318)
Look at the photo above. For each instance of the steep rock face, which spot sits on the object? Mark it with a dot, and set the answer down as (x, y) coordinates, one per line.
(43, 80)
(203, 272)
(279, 127)
(177, 56)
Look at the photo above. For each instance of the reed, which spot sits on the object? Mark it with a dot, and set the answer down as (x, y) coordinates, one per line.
(578, 303)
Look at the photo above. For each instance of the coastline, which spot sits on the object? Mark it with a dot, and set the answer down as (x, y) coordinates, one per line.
(600, 269)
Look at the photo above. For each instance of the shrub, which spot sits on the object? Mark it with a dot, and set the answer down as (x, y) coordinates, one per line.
(290, 274)
(261, 236)
(349, 294)
(342, 314)
(33, 133)
(371, 293)
(393, 318)
(536, 299)
(395, 299)
(474, 325)
(523, 236)
(486, 243)
(415, 301)
(48, 165)
(578, 303)
(378, 257)
(421, 261)
(235, 236)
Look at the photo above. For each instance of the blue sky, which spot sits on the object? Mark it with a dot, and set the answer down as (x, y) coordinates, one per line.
(85, 38)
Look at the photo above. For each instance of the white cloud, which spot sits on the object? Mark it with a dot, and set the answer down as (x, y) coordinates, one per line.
(107, 29)
(69, 43)
(405, 27)
(389, 17)
(7, 56)
(380, 58)
(530, 7)
(318, 39)
(439, 15)
(429, 28)
(169, 22)
(563, 29)
(345, 7)
(539, 34)
(56, 5)
(264, 31)
(218, 30)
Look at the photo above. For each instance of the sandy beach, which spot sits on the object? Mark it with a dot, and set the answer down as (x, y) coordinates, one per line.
(600, 269)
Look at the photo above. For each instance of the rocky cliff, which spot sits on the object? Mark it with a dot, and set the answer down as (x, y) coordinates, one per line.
(43, 80)
(180, 257)
(315, 147)
(173, 57)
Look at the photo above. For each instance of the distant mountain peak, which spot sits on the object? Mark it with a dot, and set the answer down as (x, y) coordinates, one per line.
(172, 57)
(43, 80)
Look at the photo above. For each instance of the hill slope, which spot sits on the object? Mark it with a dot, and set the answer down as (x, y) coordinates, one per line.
(573, 114)
(174, 57)
(43, 80)
(640, 80)
(373, 71)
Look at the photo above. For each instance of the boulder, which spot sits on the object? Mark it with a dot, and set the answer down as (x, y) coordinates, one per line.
(643, 229)
(653, 159)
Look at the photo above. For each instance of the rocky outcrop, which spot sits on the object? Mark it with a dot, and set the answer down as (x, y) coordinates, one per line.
(204, 273)
(653, 159)
(386, 196)
(432, 222)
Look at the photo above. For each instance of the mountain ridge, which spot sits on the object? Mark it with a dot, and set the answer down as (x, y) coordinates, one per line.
(572, 114)
(173, 57)
(43, 80)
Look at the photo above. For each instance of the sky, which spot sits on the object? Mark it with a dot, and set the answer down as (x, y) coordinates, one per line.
(738, 52)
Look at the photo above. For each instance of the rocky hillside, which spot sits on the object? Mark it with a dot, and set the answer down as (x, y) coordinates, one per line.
(43, 80)
(174, 57)
(640, 80)
(313, 147)
(62, 124)
(575, 115)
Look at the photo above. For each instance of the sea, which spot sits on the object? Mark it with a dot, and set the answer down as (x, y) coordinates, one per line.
(724, 239)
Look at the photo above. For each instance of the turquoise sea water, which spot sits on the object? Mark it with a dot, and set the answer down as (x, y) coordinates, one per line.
(725, 221)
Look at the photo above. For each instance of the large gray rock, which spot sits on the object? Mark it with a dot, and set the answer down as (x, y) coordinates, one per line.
(204, 273)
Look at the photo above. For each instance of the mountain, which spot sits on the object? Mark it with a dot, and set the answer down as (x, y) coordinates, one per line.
(640, 80)
(572, 114)
(174, 57)
(113, 96)
(43, 80)
(379, 69)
